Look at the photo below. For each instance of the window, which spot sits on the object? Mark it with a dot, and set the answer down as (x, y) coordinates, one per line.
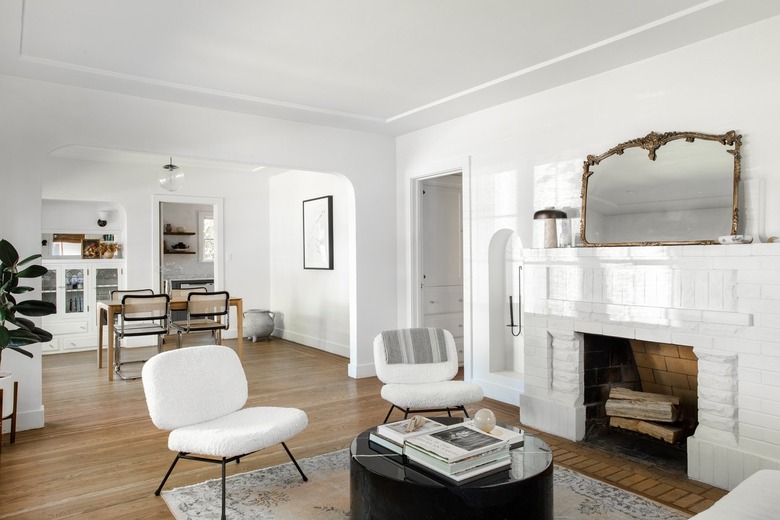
(206, 236)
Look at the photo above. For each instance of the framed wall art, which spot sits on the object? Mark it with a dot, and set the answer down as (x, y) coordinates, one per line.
(318, 233)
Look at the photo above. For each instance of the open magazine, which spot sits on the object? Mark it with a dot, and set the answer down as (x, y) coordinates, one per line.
(457, 442)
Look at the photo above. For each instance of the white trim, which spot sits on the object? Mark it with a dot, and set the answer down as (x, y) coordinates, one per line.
(202, 215)
(219, 246)
(460, 165)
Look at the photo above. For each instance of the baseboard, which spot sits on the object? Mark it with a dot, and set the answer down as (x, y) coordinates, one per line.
(502, 391)
(26, 420)
(319, 344)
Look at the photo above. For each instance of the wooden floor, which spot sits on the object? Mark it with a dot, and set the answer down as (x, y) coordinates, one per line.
(100, 456)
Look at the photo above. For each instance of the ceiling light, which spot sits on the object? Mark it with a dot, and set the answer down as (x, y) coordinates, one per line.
(102, 218)
(173, 178)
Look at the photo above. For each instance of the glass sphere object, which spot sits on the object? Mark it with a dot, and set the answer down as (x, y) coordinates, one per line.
(485, 420)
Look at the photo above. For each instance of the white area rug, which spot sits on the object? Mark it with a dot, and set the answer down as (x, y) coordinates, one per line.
(279, 493)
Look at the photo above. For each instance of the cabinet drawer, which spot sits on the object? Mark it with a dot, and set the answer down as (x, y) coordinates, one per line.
(50, 346)
(441, 300)
(451, 322)
(67, 327)
(80, 343)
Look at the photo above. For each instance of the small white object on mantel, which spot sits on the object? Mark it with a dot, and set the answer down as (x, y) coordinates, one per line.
(735, 239)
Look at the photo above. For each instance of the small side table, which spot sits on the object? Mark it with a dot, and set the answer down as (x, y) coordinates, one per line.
(11, 416)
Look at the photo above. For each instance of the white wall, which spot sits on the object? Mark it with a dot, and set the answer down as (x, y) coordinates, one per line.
(40, 118)
(721, 84)
(312, 306)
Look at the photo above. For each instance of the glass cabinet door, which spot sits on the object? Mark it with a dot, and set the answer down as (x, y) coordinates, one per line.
(49, 284)
(106, 281)
(74, 291)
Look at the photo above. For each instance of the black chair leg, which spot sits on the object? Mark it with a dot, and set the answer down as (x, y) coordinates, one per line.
(170, 470)
(223, 488)
(305, 479)
(388, 413)
(407, 411)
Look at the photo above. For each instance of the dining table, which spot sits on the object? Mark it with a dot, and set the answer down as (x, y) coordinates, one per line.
(108, 309)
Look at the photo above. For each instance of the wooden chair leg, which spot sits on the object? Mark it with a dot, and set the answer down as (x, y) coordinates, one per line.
(13, 413)
(12, 416)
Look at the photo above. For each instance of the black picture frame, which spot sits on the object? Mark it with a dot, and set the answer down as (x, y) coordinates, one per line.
(318, 233)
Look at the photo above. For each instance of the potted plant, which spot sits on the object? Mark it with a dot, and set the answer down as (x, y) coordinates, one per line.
(15, 331)
(108, 249)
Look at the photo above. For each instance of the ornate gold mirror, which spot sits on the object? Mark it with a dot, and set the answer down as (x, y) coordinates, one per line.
(675, 188)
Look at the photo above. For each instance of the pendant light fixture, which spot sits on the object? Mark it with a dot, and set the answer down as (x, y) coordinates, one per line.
(173, 178)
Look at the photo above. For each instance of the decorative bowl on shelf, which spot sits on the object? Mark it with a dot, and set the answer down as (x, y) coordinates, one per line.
(181, 246)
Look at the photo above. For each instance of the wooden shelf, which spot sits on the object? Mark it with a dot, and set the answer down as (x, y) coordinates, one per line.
(179, 252)
(181, 233)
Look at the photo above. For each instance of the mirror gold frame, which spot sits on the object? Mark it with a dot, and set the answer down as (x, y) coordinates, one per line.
(652, 142)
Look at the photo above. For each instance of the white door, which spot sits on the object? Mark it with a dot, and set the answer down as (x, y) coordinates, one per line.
(441, 247)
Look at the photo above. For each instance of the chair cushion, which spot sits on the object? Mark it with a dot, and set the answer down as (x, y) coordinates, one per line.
(432, 395)
(140, 329)
(193, 385)
(201, 324)
(239, 433)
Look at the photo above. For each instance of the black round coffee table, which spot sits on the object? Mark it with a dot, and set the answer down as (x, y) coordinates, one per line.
(385, 486)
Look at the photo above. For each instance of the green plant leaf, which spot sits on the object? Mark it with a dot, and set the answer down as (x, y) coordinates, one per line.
(23, 322)
(35, 308)
(20, 351)
(33, 271)
(8, 254)
(43, 335)
(5, 336)
(21, 337)
(21, 289)
(28, 259)
(9, 284)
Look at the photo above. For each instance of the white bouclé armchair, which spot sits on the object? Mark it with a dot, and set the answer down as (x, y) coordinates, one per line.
(417, 367)
(198, 394)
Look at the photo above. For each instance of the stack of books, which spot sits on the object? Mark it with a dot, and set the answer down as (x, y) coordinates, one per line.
(459, 452)
(393, 436)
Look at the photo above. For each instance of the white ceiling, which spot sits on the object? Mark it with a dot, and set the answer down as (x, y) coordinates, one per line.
(389, 66)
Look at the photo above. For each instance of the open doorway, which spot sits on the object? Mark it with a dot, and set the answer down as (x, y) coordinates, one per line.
(183, 255)
(439, 255)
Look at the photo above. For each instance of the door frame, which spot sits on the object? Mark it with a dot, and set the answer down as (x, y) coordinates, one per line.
(218, 204)
(463, 166)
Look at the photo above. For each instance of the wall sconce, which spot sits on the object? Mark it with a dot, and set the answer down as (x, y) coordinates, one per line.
(173, 178)
(102, 218)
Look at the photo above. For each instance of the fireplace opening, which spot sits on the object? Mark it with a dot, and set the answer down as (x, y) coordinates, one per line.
(640, 397)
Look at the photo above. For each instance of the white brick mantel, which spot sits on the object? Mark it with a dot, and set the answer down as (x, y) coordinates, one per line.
(724, 301)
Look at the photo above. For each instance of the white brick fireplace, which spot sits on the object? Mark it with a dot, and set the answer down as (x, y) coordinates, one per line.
(724, 301)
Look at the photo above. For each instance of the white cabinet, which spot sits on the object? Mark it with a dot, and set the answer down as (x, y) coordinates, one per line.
(74, 287)
(443, 309)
